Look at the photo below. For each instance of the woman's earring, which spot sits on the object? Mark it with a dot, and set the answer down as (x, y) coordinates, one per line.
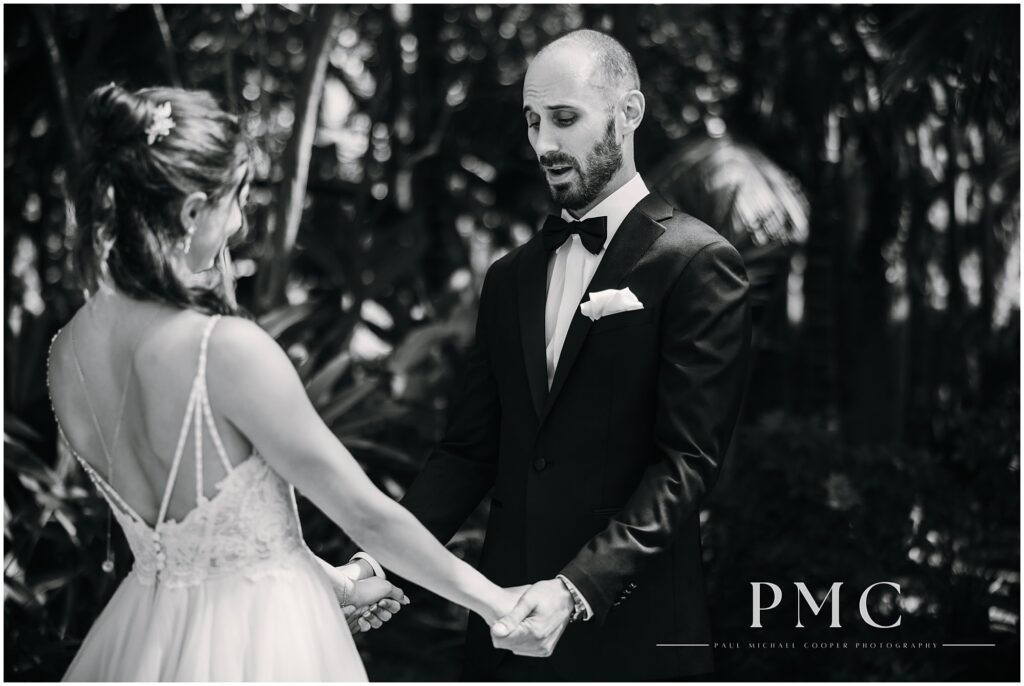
(188, 238)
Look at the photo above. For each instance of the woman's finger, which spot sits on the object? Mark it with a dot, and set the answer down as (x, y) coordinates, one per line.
(390, 605)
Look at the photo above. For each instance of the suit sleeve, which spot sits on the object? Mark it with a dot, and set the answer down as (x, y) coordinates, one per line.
(704, 352)
(462, 468)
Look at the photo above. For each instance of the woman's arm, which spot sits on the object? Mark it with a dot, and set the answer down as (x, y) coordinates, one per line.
(254, 385)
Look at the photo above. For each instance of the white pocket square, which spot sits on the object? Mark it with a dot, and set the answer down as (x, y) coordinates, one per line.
(604, 303)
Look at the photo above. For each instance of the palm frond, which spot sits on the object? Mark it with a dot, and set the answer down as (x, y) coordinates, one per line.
(736, 189)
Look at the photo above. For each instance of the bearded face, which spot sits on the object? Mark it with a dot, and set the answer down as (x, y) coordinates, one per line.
(574, 183)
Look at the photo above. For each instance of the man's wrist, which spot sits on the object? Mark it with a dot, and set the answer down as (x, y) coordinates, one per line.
(580, 607)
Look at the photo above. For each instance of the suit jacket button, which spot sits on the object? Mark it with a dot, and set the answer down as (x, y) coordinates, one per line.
(540, 464)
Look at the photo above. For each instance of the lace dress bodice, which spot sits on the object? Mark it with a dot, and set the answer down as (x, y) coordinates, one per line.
(250, 525)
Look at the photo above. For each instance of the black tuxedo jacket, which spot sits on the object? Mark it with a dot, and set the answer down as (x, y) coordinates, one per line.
(600, 478)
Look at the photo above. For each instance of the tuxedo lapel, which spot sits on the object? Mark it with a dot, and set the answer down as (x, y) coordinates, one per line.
(533, 266)
(638, 231)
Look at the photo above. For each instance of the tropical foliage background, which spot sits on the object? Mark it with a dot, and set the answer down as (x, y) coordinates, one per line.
(865, 160)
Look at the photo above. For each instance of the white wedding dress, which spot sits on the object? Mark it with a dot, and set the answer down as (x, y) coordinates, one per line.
(228, 593)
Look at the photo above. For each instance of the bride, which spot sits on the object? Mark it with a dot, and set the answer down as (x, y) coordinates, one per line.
(195, 427)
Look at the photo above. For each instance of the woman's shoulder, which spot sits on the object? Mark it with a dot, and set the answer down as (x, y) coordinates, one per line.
(245, 362)
(239, 345)
(237, 335)
(175, 342)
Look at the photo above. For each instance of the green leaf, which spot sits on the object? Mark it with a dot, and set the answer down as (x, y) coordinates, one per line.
(348, 400)
(324, 379)
(14, 427)
(25, 463)
(20, 594)
(279, 320)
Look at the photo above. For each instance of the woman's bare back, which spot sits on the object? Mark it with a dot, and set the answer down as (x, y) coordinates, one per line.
(145, 355)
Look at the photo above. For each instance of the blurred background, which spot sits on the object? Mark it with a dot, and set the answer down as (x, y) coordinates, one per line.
(864, 160)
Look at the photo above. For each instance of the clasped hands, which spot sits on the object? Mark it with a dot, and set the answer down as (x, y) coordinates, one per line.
(367, 603)
(537, 621)
(531, 628)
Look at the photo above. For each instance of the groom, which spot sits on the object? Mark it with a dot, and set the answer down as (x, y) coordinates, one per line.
(600, 399)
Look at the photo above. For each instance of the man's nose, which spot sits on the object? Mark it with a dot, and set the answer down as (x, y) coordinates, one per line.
(546, 142)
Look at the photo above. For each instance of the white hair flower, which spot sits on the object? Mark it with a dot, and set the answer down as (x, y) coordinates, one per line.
(161, 125)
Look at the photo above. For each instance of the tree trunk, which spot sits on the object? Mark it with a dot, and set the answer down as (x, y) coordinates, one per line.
(60, 82)
(291, 193)
(822, 321)
(987, 173)
(952, 372)
(168, 44)
(917, 382)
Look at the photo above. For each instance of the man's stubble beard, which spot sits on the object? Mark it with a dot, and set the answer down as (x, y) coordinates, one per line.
(603, 161)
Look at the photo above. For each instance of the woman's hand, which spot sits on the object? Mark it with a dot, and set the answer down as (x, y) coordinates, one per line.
(374, 602)
(368, 603)
(505, 600)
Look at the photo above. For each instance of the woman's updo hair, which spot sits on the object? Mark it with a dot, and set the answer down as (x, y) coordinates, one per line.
(130, 191)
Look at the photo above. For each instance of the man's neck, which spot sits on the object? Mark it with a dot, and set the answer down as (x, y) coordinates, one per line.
(621, 178)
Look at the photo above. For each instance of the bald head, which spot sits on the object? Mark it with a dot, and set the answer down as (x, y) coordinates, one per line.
(608, 64)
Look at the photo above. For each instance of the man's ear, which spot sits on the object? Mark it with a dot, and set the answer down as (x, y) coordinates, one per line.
(632, 110)
(191, 207)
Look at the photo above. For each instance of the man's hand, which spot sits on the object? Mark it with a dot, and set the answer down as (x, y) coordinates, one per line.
(536, 622)
(366, 603)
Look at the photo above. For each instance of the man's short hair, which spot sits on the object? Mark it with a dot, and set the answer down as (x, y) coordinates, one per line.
(615, 65)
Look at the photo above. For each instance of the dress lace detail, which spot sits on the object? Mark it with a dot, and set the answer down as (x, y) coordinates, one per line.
(251, 526)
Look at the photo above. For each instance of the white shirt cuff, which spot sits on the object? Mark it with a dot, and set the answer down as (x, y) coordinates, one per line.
(588, 613)
(377, 569)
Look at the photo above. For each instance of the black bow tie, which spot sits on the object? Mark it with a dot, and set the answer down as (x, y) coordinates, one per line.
(593, 232)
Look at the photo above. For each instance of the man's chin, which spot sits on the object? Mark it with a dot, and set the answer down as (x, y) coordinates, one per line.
(563, 195)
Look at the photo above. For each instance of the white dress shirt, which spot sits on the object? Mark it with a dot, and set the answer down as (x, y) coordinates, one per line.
(569, 273)
(572, 267)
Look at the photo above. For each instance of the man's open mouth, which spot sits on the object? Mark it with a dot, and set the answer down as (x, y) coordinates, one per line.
(558, 173)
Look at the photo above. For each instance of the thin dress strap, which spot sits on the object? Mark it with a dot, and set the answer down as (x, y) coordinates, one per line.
(113, 496)
(197, 408)
(101, 483)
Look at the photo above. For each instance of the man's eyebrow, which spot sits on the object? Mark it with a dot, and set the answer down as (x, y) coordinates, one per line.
(527, 108)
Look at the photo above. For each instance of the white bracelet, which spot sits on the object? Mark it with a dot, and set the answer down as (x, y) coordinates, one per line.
(377, 569)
